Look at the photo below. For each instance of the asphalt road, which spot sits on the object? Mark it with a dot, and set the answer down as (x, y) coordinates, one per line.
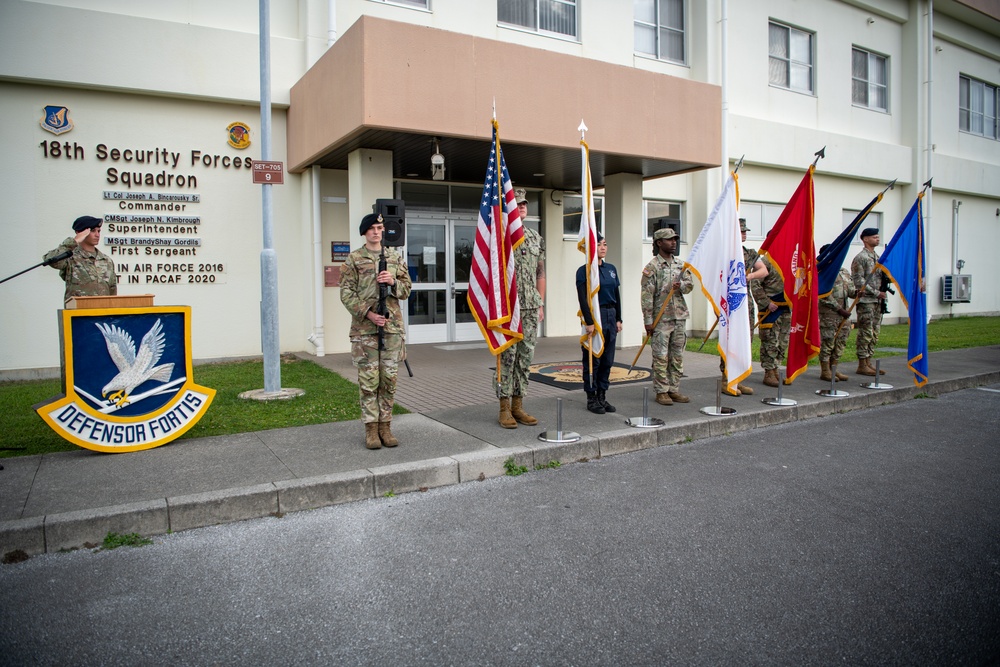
(865, 538)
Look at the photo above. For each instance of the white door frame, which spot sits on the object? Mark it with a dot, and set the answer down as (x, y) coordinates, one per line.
(444, 285)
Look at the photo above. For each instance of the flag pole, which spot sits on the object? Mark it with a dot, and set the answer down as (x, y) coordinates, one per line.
(705, 339)
(650, 335)
(586, 203)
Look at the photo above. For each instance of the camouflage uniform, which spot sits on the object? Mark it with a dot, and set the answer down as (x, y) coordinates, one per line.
(377, 370)
(830, 319)
(867, 281)
(85, 273)
(775, 328)
(669, 337)
(515, 361)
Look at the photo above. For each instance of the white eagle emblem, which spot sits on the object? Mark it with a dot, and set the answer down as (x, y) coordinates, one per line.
(133, 368)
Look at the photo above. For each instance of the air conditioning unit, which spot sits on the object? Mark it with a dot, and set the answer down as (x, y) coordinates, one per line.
(956, 289)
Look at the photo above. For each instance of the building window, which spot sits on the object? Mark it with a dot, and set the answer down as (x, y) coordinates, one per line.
(573, 211)
(874, 219)
(660, 214)
(977, 107)
(791, 58)
(869, 80)
(558, 16)
(422, 4)
(659, 29)
(760, 219)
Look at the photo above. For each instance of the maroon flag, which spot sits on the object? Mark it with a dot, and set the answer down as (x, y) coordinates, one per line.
(790, 246)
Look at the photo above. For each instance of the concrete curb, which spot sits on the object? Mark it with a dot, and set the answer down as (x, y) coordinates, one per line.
(67, 530)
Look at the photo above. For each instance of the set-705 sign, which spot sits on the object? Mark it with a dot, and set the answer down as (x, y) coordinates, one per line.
(268, 173)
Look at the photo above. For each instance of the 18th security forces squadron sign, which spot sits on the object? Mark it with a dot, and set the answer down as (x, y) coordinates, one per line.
(120, 397)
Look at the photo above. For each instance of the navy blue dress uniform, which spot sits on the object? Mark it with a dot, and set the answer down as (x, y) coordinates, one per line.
(609, 299)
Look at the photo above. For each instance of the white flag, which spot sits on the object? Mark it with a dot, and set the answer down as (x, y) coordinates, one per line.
(717, 259)
(588, 246)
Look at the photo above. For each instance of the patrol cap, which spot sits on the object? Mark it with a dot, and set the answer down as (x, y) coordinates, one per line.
(665, 233)
(368, 221)
(869, 231)
(521, 196)
(86, 222)
(743, 225)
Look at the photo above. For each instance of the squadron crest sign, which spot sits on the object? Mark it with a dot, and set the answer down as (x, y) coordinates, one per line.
(120, 396)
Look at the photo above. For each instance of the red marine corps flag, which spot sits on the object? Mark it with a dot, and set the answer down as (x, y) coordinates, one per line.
(790, 246)
(492, 292)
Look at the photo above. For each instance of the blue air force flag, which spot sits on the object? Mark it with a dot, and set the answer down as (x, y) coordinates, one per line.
(717, 259)
(127, 379)
(905, 264)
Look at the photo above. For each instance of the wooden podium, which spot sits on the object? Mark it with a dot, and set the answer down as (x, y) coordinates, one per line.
(118, 301)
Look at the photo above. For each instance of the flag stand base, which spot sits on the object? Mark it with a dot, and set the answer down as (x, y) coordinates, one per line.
(876, 384)
(558, 435)
(645, 421)
(718, 410)
(783, 402)
(832, 392)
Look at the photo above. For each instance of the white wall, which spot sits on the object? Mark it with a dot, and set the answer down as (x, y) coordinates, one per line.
(45, 195)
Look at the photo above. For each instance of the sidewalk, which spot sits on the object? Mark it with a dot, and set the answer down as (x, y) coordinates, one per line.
(71, 499)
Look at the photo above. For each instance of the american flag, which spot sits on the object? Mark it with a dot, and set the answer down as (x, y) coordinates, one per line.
(492, 293)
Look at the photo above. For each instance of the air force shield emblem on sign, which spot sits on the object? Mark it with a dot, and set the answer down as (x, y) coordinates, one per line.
(127, 381)
(56, 120)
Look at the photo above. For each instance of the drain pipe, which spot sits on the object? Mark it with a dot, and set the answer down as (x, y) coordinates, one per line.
(955, 203)
(316, 337)
(724, 53)
(331, 22)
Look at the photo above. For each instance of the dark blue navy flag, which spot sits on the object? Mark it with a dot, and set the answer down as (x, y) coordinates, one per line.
(830, 260)
(905, 264)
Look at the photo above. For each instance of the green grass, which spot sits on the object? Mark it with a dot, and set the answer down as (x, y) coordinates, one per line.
(950, 334)
(328, 398)
(115, 540)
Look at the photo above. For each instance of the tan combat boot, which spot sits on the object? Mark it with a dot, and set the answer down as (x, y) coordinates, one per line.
(678, 397)
(825, 371)
(871, 366)
(771, 377)
(728, 392)
(664, 399)
(506, 419)
(745, 389)
(835, 369)
(518, 413)
(372, 440)
(864, 368)
(386, 436)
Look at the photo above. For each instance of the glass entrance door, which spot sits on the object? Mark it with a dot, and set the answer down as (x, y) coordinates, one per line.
(439, 255)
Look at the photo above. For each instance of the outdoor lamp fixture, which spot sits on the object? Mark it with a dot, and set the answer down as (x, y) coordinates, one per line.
(437, 162)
